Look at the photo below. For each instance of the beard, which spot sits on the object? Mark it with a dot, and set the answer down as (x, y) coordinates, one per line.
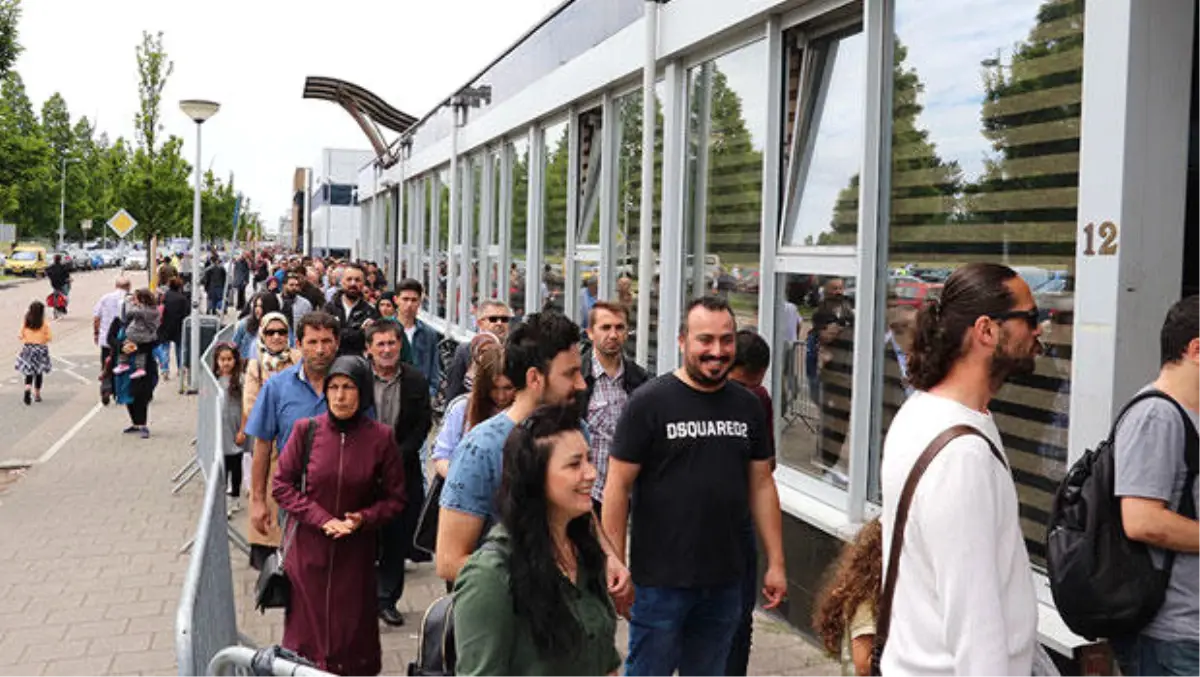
(572, 403)
(1006, 363)
(352, 294)
(696, 372)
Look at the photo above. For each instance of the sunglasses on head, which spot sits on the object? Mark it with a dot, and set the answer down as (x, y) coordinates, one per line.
(1030, 316)
(502, 319)
(275, 332)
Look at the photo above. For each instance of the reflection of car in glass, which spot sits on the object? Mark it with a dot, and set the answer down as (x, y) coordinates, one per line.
(906, 290)
(937, 275)
(1055, 299)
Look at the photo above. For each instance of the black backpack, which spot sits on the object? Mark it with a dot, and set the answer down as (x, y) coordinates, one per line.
(436, 653)
(1104, 584)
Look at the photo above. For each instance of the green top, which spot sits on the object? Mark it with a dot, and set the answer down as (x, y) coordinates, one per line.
(492, 640)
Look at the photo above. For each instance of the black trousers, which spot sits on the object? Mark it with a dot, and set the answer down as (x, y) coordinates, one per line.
(106, 384)
(233, 473)
(241, 295)
(394, 541)
(35, 380)
(139, 411)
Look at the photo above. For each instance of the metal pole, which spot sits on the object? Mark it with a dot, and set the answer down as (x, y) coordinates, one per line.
(307, 233)
(62, 205)
(646, 262)
(194, 367)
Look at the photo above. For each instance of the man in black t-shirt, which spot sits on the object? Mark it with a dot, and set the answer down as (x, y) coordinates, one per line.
(691, 449)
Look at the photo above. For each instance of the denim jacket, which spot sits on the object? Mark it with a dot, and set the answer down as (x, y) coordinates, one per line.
(424, 347)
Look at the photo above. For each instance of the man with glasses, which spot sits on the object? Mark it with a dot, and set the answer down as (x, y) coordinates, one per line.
(493, 317)
(964, 599)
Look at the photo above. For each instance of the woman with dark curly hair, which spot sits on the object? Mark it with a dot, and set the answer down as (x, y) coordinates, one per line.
(845, 610)
(546, 611)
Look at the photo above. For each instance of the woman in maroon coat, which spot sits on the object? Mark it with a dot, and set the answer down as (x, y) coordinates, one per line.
(355, 485)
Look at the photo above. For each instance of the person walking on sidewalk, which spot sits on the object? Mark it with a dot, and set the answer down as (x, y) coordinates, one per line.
(34, 359)
(107, 309)
(691, 450)
(175, 307)
(963, 601)
(339, 491)
(228, 368)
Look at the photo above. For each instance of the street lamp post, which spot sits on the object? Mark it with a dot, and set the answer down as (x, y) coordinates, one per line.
(198, 110)
(62, 202)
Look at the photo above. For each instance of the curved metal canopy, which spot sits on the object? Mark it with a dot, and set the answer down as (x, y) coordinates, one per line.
(367, 109)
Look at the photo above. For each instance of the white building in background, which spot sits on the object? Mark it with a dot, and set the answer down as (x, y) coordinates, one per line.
(336, 225)
(283, 233)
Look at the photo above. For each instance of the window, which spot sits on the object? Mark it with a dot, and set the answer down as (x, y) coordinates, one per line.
(827, 125)
(586, 270)
(554, 214)
(642, 299)
(985, 167)
(727, 104)
(519, 218)
(815, 354)
(441, 263)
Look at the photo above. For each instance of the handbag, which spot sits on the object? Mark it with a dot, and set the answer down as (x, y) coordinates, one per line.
(273, 590)
(884, 609)
(425, 535)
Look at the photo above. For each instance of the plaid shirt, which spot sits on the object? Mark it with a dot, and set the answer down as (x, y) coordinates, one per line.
(608, 400)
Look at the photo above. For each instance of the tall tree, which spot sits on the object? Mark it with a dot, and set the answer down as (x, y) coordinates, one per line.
(155, 189)
(25, 163)
(10, 48)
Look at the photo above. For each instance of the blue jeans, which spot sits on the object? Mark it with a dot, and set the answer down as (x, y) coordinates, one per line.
(739, 653)
(1142, 655)
(162, 354)
(685, 629)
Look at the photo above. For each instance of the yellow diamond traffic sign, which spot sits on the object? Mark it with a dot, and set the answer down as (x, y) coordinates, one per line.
(122, 223)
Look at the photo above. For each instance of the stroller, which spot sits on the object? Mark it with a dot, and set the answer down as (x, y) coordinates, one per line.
(57, 300)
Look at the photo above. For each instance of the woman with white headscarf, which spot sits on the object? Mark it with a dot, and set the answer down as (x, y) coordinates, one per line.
(274, 356)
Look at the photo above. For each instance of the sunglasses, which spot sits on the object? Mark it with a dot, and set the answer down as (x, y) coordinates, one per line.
(275, 332)
(502, 319)
(1030, 316)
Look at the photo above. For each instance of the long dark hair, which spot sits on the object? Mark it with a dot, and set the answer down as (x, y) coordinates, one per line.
(489, 366)
(35, 317)
(854, 579)
(971, 291)
(535, 580)
(270, 304)
(235, 378)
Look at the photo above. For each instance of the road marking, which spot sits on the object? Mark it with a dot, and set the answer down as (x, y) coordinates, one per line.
(66, 362)
(62, 441)
(72, 374)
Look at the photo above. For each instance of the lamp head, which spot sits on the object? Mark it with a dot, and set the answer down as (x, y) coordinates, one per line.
(199, 110)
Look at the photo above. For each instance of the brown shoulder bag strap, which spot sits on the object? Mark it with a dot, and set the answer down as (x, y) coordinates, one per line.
(883, 612)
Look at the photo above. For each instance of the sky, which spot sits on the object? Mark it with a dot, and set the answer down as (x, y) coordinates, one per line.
(252, 57)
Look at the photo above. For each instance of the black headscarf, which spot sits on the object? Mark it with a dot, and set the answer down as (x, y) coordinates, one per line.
(358, 370)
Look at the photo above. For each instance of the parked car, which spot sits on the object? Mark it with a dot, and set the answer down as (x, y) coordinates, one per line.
(135, 260)
(27, 260)
(1055, 299)
(81, 259)
(906, 290)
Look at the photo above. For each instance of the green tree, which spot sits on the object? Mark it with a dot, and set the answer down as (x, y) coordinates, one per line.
(10, 48)
(155, 188)
(25, 164)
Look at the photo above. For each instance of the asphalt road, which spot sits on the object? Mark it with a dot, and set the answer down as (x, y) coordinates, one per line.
(71, 390)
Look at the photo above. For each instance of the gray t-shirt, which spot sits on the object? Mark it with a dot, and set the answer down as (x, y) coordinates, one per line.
(1149, 454)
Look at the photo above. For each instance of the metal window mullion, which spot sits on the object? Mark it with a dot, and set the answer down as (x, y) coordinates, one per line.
(533, 221)
(435, 236)
(866, 397)
(570, 293)
(466, 226)
(607, 178)
(674, 145)
(455, 219)
(767, 302)
(699, 224)
(487, 214)
(506, 213)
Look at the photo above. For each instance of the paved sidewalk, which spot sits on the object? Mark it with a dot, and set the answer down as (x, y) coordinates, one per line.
(90, 574)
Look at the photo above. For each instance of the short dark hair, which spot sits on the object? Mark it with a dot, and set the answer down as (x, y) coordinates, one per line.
(614, 308)
(295, 276)
(824, 318)
(753, 353)
(971, 291)
(317, 319)
(409, 284)
(354, 266)
(535, 342)
(382, 327)
(710, 303)
(175, 283)
(1181, 327)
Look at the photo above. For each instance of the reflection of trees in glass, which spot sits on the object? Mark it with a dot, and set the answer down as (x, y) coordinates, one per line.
(555, 240)
(629, 174)
(733, 204)
(1031, 115)
(520, 198)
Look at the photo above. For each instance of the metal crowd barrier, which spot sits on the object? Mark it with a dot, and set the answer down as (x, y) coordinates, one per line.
(206, 444)
(249, 661)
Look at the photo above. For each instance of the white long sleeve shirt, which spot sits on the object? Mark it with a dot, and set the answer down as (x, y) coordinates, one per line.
(964, 602)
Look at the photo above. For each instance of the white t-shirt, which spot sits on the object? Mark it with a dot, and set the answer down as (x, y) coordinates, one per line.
(964, 602)
(410, 332)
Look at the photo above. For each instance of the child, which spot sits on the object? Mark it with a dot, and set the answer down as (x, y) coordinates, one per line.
(228, 368)
(34, 358)
(845, 609)
(141, 327)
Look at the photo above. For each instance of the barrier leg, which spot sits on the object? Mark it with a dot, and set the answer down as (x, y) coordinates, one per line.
(238, 540)
(188, 478)
(185, 467)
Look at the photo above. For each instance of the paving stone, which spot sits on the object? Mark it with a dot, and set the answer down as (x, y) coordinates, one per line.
(107, 628)
(23, 669)
(88, 665)
(107, 646)
(54, 651)
(143, 661)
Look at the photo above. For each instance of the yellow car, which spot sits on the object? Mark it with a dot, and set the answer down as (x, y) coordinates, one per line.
(27, 260)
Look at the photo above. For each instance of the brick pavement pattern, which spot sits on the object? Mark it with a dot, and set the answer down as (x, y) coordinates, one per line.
(90, 574)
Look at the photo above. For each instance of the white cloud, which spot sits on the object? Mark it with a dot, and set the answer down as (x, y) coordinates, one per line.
(252, 57)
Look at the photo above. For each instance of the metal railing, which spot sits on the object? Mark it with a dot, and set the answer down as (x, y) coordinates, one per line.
(248, 661)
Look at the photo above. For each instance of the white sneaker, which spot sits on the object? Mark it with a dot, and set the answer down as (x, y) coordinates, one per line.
(234, 506)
